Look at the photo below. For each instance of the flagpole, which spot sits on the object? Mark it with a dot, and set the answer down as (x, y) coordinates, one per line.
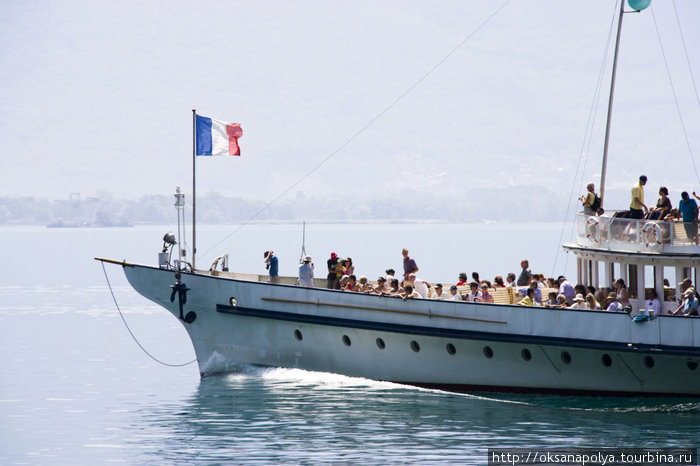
(194, 197)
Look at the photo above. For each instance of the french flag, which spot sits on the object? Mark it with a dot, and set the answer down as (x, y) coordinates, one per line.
(216, 137)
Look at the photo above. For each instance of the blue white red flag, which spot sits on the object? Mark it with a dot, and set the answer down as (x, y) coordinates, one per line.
(216, 137)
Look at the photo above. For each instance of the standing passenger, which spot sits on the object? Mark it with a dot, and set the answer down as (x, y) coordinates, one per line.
(409, 265)
(637, 206)
(525, 274)
(332, 277)
(306, 272)
(689, 212)
(272, 265)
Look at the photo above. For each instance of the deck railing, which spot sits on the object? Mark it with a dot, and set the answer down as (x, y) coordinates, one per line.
(643, 234)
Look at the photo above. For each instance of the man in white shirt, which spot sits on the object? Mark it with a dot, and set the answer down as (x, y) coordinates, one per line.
(438, 294)
(652, 304)
(421, 286)
(454, 295)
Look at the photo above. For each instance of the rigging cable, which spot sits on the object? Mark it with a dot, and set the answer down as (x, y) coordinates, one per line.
(366, 126)
(687, 58)
(132, 333)
(588, 134)
(675, 98)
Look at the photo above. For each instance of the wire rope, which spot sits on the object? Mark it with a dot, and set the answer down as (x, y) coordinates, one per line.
(685, 49)
(365, 127)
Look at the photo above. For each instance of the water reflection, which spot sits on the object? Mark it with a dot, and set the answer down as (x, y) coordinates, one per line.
(281, 415)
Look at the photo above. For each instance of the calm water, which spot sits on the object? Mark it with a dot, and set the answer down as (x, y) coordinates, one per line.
(76, 389)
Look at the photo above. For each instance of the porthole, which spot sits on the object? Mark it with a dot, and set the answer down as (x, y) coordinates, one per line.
(526, 354)
(415, 346)
(451, 349)
(233, 301)
(648, 362)
(692, 365)
(606, 360)
(565, 357)
(488, 352)
(380, 343)
(298, 335)
(346, 340)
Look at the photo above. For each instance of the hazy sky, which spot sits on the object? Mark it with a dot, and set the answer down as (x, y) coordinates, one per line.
(97, 96)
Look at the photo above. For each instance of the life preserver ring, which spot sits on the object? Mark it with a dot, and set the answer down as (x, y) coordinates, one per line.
(651, 234)
(593, 229)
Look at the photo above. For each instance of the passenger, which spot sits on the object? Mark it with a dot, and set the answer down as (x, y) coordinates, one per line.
(689, 211)
(552, 299)
(525, 274)
(580, 289)
(566, 288)
(579, 302)
(498, 282)
(272, 265)
(349, 268)
(592, 303)
(462, 279)
(663, 205)
(622, 295)
(409, 265)
(339, 273)
(343, 282)
(454, 295)
(529, 299)
(409, 292)
(394, 289)
(364, 285)
(613, 304)
(486, 297)
(541, 282)
(552, 283)
(474, 293)
(475, 277)
(381, 286)
(510, 280)
(438, 294)
(420, 286)
(637, 206)
(306, 272)
(352, 284)
(653, 305)
(536, 289)
(389, 275)
(689, 306)
(590, 200)
(331, 278)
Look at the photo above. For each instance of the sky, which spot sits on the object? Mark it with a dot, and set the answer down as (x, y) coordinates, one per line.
(97, 97)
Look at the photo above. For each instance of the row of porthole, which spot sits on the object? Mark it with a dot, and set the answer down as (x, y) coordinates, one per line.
(488, 352)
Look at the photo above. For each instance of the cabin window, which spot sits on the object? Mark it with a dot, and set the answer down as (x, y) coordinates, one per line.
(692, 365)
(346, 340)
(233, 301)
(298, 335)
(606, 360)
(488, 352)
(526, 354)
(669, 284)
(451, 349)
(648, 362)
(632, 281)
(380, 343)
(415, 346)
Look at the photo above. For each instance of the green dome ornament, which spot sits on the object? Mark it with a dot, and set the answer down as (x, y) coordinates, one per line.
(638, 5)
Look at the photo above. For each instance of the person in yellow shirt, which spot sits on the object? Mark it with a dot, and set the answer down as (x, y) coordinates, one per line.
(529, 299)
(637, 206)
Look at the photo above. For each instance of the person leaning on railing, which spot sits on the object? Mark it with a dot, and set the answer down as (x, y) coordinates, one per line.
(688, 209)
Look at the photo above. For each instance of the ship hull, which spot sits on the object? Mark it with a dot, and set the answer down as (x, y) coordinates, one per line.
(451, 345)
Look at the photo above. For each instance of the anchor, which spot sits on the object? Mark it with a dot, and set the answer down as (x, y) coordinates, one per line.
(181, 290)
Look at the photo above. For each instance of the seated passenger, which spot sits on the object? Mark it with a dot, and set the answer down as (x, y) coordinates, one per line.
(510, 280)
(592, 303)
(454, 295)
(364, 285)
(579, 302)
(529, 299)
(536, 288)
(389, 275)
(462, 279)
(475, 277)
(409, 292)
(613, 304)
(498, 282)
(342, 283)
(652, 304)
(566, 288)
(352, 283)
(474, 293)
(381, 286)
(689, 306)
(486, 297)
(663, 205)
(552, 299)
(394, 289)
(438, 294)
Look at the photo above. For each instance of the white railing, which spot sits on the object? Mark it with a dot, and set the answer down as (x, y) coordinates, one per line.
(637, 235)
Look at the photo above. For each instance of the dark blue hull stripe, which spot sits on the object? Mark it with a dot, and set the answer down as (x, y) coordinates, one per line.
(461, 334)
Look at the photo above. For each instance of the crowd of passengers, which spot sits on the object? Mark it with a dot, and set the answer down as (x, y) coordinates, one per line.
(528, 286)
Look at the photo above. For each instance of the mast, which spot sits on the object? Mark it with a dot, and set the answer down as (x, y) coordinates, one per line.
(637, 5)
(194, 197)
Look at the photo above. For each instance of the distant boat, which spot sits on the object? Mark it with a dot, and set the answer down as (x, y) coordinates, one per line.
(235, 318)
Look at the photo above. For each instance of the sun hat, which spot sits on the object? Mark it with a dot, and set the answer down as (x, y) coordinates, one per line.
(307, 259)
(579, 297)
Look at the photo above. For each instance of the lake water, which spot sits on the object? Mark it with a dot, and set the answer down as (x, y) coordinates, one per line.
(76, 389)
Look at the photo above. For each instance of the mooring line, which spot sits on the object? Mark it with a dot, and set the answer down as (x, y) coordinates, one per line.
(132, 333)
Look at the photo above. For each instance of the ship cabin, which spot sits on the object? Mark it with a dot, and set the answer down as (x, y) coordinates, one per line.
(646, 254)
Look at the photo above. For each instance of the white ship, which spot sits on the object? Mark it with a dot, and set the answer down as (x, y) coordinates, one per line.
(236, 318)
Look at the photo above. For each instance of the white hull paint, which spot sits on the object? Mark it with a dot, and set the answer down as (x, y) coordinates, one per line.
(496, 347)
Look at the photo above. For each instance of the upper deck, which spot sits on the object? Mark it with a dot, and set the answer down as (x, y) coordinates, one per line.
(609, 234)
